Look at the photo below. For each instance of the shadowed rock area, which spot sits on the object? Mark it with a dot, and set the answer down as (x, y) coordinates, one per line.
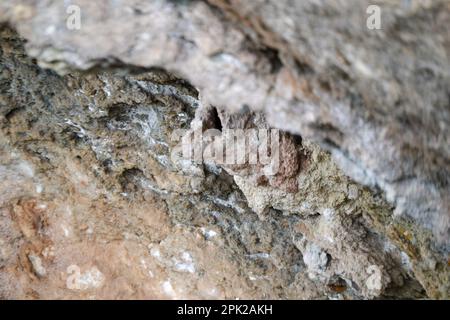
(94, 204)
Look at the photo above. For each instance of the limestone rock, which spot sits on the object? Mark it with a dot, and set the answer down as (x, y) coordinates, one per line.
(94, 205)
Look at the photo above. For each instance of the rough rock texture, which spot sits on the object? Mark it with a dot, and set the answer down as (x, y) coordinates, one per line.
(378, 100)
(88, 181)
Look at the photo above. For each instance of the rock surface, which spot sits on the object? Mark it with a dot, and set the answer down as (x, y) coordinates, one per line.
(88, 178)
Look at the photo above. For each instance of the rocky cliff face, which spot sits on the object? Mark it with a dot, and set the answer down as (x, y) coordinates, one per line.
(94, 202)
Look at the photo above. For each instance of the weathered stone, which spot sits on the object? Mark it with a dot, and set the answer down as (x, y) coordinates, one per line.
(86, 157)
